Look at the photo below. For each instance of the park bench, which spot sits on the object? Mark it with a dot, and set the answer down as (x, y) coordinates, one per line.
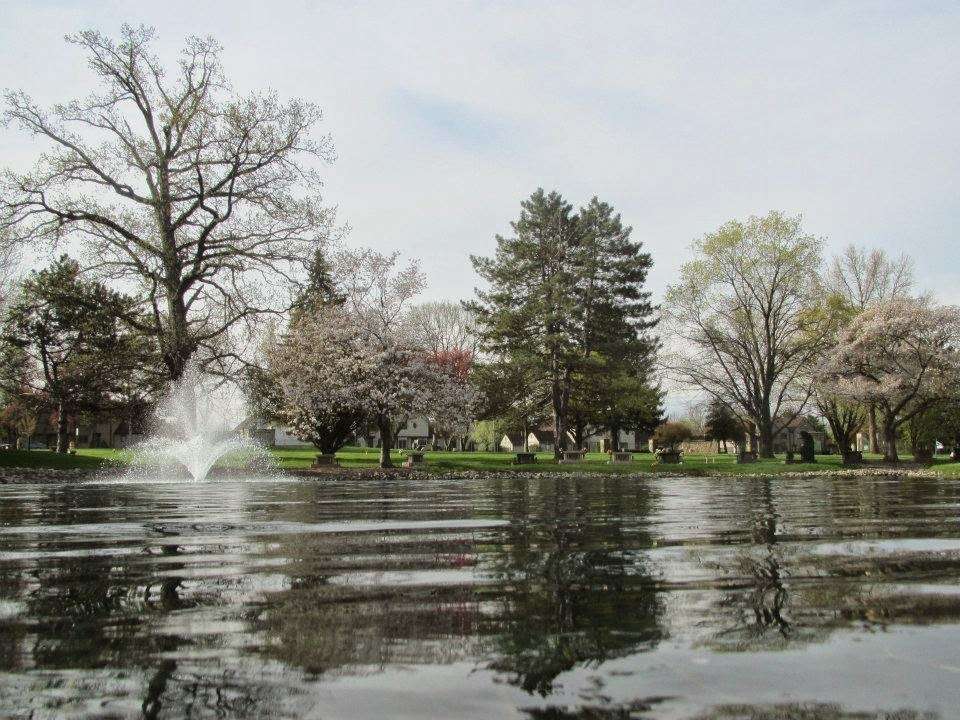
(525, 458)
(621, 457)
(573, 456)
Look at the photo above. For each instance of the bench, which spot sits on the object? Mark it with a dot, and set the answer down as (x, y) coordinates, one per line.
(525, 458)
(621, 457)
(572, 456)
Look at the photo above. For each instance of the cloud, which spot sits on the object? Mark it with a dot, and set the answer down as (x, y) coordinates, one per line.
(446, 115)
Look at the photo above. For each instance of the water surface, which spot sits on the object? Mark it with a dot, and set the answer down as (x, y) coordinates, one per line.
(550, 598)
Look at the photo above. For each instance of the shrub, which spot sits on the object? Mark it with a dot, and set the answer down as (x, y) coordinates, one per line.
(671, 435)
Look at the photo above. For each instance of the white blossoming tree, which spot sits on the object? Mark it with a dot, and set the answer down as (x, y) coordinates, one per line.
(358, 359)
(901, 356)
(317, 373)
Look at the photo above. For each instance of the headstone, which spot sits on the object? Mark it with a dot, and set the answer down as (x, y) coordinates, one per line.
(669, 457)
(854, 457)
(325, 460)
(414, 459)
(806, 447)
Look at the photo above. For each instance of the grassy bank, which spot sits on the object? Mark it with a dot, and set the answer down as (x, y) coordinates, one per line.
(439, 462)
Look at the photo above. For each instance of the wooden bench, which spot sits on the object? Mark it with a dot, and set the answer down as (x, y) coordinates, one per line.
(573, 456)
(621, 457)
(525, 458)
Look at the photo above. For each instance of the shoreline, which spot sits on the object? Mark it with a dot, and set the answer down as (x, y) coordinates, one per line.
(42, 476)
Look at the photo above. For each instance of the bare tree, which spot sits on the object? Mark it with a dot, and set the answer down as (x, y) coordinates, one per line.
(741, 321)
(200, 201)
(864, 279)
(444, 327)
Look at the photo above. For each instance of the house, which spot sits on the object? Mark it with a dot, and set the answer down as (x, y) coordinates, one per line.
(538, 440)
(791, 437)
(512, 442)
(269, 434)
(602, 441)
(415, 432)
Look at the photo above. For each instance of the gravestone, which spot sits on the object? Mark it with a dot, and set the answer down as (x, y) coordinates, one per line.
(325, 460)
(806, 447)
(414, 459)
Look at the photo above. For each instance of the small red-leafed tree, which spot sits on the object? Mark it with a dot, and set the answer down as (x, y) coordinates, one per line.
(902, 356)
(455, 397)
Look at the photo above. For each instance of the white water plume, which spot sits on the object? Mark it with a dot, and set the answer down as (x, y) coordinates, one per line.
(198, 425)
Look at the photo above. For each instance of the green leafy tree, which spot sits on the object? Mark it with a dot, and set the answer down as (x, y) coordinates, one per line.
(722, 424)
(741, 321)
(513, 393)
(63, 341)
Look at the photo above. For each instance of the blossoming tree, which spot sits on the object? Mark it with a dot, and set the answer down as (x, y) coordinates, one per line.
(900, 355)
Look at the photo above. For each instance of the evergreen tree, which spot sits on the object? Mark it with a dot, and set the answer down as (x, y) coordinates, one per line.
(62, 340)
(320, 290)
(530, 305)
(566, 290)
(722, 424)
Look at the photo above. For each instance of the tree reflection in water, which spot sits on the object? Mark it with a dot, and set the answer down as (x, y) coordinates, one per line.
(173, 607)
(579, 590)
(562, 584)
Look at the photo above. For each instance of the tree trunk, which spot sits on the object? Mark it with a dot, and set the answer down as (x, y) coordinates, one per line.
(890, 440)
(765, 441)
(615, 438)
(872, 429)
(557, 427)
(62, 440)
(386, 441)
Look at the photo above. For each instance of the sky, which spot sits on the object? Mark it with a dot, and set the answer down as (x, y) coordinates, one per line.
(682, 115)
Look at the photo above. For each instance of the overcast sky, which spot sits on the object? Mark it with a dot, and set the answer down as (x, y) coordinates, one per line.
(682, 115)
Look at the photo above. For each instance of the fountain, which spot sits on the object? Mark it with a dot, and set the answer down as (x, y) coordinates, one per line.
(196, 427)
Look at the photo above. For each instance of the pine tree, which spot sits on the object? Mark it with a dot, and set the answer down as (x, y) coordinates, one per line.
(567, 291)
(64, 344)
(320, 291)
(722, 424)
(530, 306)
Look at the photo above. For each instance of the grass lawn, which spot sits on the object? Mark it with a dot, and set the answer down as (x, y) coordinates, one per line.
(439, 462)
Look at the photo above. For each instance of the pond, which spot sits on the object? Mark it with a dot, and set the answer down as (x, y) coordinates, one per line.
(494, 598)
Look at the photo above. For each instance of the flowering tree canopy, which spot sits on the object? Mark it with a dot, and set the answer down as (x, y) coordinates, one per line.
(901, 356)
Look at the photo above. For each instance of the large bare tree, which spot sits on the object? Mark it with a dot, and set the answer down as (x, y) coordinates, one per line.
(741, 324)
(204, 203)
